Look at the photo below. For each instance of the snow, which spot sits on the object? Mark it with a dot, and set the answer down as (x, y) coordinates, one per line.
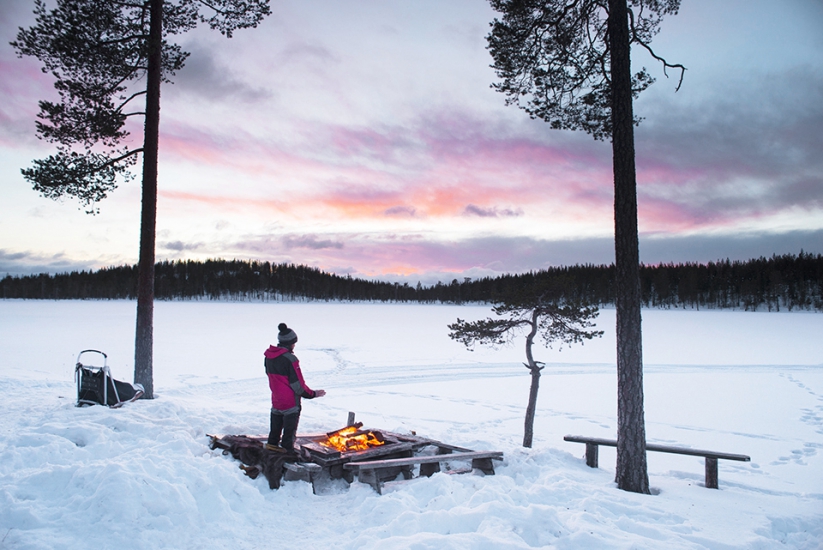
(143, 476)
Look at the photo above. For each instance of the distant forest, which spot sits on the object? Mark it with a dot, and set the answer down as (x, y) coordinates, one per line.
(788, 282)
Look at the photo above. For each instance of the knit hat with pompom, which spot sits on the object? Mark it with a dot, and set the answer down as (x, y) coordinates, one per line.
(286, 336)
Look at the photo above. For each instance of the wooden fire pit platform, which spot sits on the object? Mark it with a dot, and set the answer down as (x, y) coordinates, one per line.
(403, 455)
(400, 455)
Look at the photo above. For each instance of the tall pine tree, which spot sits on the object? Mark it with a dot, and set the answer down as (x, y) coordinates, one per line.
(104, 56)
(568, 62)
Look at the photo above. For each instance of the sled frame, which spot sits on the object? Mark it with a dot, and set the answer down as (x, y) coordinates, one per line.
(107, 380)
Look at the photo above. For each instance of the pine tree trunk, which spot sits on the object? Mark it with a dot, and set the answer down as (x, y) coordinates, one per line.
(528, 433)
(143, 347)
(531, 408)
(631, 472)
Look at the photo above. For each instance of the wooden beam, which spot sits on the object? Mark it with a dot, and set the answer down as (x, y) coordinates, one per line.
(593, 443)
(377, 464)
(660, 448)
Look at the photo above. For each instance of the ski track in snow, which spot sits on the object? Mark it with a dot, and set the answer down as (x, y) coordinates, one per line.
(341, 364)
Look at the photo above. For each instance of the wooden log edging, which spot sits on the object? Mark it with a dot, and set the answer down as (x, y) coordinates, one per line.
(592, 444)
(367, 471)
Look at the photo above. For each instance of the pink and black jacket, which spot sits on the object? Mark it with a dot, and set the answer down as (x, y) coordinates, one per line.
(285, 380)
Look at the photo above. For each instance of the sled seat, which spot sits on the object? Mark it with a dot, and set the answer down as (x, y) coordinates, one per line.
(95, 385)
(592, 444)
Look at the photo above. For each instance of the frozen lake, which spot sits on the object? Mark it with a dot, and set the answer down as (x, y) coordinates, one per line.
(739, 382)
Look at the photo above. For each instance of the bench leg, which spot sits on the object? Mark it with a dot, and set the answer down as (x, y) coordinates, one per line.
(591, 455)
(429, 470)
(711, 473)
(370, 477)
(484, 465)
(313, 480)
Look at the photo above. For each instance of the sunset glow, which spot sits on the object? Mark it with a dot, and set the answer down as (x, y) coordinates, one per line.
(368, 142)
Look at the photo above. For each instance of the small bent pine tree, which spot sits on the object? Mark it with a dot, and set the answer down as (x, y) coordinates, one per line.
(536, 313)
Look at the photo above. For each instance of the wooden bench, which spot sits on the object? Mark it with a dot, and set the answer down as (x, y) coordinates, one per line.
(592, 444)
(369, 471)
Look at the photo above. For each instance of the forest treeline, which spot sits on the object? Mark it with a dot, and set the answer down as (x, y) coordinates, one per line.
(787, 282)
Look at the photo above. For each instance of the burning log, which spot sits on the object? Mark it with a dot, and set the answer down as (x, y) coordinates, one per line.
(355, 426)
(352, 438)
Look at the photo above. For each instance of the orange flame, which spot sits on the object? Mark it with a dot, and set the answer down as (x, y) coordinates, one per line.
(352, 438)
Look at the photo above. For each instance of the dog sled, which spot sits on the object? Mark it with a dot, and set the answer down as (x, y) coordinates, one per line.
(95, 385)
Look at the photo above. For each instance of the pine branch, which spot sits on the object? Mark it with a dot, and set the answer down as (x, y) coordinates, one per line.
(124, 103)
(88, 177)
(636, 38)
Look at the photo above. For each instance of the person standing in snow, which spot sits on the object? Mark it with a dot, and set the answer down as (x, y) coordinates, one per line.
(287, 387)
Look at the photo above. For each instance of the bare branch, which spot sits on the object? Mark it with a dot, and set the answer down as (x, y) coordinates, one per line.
(649, 49)
(124, 156)
(212, 7)
(143, 6)
(123, 40)
(132, 96)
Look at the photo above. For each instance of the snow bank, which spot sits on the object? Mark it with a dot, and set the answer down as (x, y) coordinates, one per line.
(143, 476)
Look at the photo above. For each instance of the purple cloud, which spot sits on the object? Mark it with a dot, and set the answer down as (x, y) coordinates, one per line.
(494, 212)
(401, 211)
(180, 246)
(205, 76)
(420, 257)
(310, 241)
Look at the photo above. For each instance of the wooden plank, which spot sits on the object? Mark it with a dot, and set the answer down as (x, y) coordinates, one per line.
(423, 442)
(320, 452)
(376, 464)
(301, 472)
(310, 437)
(594, 440)
(301, 466)
(262, 438)
(329, 457)
(382, 450)
(661, 448)
(696, 452)
(445, 447)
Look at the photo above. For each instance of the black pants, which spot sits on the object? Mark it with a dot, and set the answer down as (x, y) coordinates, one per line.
(285, 424)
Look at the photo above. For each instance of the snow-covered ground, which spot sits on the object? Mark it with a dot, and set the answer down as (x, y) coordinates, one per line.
(144, 477)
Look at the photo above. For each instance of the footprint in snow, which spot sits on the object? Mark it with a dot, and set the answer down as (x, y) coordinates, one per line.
(340, 363)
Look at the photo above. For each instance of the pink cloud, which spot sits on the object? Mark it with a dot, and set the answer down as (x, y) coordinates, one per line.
(442, 166)
(23, 84)
(222, 202)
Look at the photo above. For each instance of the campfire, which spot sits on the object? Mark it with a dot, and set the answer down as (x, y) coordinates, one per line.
(372, 456)
(352, 438)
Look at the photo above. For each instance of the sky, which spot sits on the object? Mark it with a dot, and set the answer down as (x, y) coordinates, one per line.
(362, 137)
